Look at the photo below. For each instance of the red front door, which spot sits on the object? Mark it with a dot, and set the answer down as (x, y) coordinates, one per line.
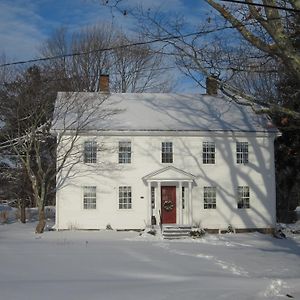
(168, 204)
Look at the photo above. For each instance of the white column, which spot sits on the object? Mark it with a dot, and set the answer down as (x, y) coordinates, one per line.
(190, 204)
(179, 207)
(158, 203)
(149, 205)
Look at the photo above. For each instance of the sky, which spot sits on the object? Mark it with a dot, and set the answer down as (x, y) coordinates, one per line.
(25, 24)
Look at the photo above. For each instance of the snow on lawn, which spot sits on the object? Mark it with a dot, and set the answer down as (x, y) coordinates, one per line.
(123, 265)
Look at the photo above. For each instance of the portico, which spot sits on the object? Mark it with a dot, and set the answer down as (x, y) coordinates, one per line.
(169, 196)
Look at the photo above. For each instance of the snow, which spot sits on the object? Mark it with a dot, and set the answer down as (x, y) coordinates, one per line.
(126, 265)
(163, 111)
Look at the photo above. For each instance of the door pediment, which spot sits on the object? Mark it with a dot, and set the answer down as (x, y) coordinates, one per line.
(169, 173)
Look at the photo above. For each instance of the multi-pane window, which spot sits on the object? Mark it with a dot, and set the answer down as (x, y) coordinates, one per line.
(167, 152)
(242, 152)
(125, 197)
(89, 197)
(208, 152)
(90, 152)
(243, 200)
(183, 197)
(209, 197)
(152, 197)
(124, 152)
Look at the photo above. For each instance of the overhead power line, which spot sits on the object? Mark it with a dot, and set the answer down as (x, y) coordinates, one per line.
(161, 39)
(263, 5)
(157, 40)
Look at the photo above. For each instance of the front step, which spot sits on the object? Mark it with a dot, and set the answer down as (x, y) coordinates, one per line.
(174, 231)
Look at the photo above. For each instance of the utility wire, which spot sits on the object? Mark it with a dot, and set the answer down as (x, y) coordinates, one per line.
(263, 5)
(157, 40)
(103, 49)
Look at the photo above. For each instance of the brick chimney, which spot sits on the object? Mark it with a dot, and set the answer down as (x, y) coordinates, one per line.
(104, 83)
(212, 86)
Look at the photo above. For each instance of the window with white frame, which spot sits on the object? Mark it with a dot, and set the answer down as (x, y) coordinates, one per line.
(90, 152)
(208, 152)
(167, 152)
(210, 196)
(243, 194)
(89, 197)
(183, 197)
(125, 201)
(124, 152)
(152, 197)
(242, 152)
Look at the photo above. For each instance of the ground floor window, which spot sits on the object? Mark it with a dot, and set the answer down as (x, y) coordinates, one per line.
(125, 201)
(210, 197)
(243, 200)
(89, 197)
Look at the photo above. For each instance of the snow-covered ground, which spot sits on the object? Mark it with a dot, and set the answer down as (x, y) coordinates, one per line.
(88, 265)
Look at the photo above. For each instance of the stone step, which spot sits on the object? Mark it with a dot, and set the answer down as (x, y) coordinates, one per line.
(176, 231)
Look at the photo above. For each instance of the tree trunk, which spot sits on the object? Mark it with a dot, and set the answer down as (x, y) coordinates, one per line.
(22, 211)
(42, 222)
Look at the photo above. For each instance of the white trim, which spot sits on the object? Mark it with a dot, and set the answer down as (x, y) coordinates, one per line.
(180, 174)
(179, 203)
(158, 206)
(149, 206)
(164, 133)
(190, 206)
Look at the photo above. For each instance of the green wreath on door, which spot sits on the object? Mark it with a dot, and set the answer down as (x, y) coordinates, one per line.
(168, 205)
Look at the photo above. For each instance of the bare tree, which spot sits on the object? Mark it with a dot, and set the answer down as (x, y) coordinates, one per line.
(267, 40)
(103, 50)
(29, 116)
(136, 68)
(270, 28)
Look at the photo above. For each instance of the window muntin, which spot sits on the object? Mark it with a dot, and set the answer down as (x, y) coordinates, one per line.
(167, 152)
(90, 152)
(153, 197)
(125, 197)
(243, 194)
(124, 152)
(242, 152)
(208, 152)
(210, 196)
(89, 197)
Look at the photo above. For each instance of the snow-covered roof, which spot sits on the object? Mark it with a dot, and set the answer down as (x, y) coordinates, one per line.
(158, 112)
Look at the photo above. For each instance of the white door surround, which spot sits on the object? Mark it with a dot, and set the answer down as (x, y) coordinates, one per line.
(170, 176)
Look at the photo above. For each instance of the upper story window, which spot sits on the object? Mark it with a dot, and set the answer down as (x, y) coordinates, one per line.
(125, 201)
(167, 152)
(89, 197)
(90, 152)
(124, 152)
(210, 196)
(208, 152)
(243, 195)
(242, 152)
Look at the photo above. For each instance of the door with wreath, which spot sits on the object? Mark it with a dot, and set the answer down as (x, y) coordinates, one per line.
(168, 204)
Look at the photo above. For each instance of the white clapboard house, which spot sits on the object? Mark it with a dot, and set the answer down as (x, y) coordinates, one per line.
(142, 159)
